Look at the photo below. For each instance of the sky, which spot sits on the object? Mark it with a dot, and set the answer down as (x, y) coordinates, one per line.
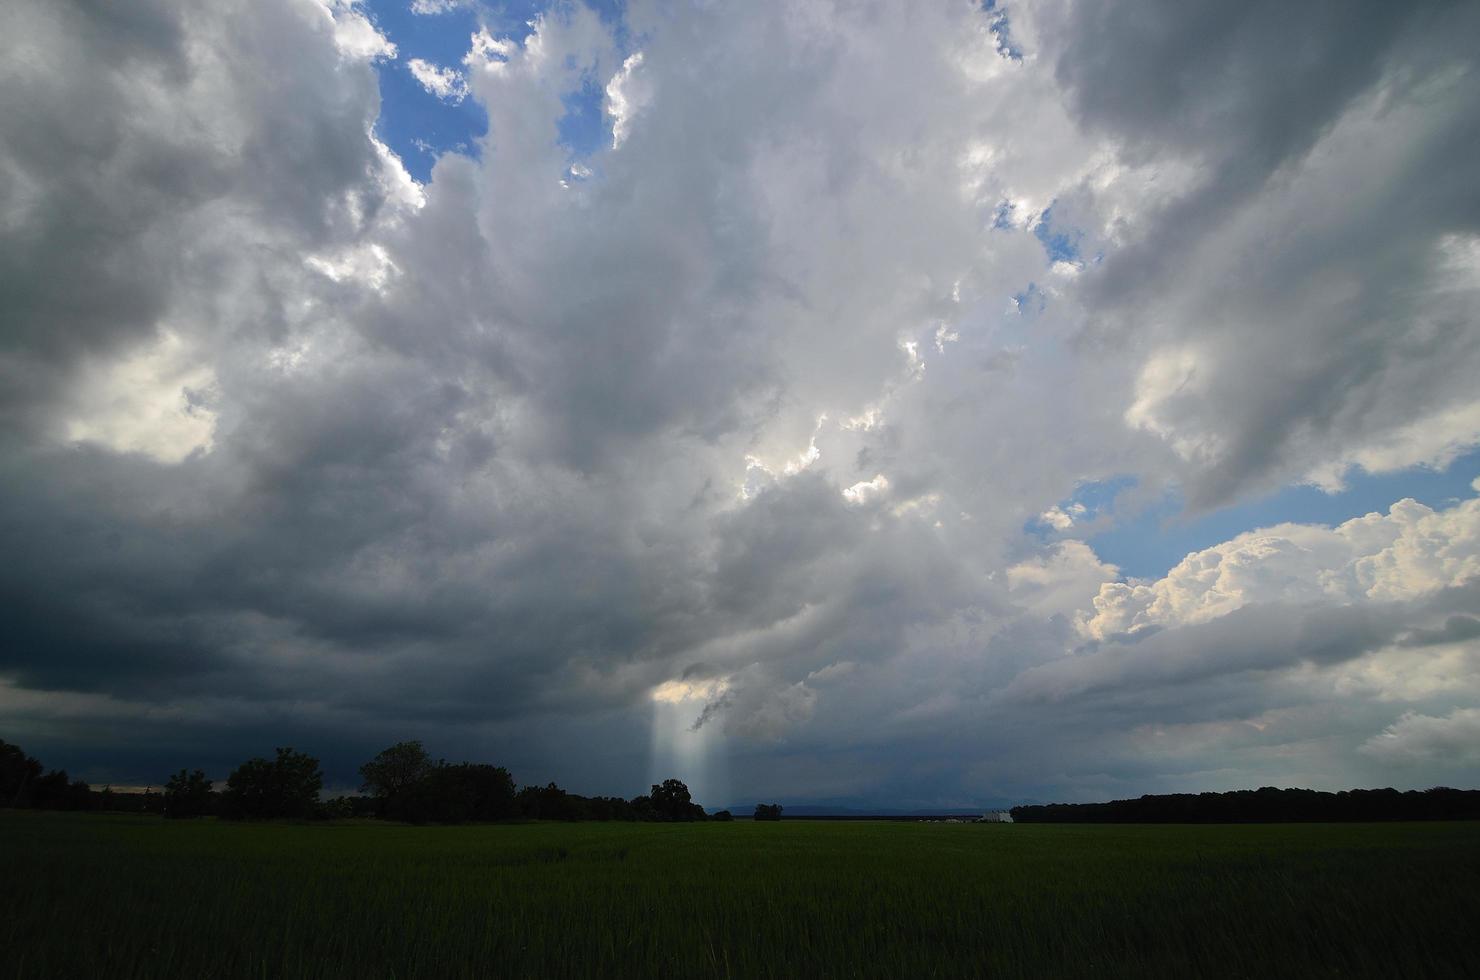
(909, 404)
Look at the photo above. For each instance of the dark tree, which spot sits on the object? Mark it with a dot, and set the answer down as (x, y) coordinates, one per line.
(768, 811)
(396, 770)
(609, 808)
(548, 802)
(671, 801)
(348, 807)
(55, 791)
(338, 808)
(642, 808)
(287, 786)
(456, 794)
(188, 795)
(18, 773)
(723, 816)
(407, 785)
(475, 791)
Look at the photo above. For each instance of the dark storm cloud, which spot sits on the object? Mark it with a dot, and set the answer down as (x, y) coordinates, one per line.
(1254, 638)
(1242, 86)
(1327, 144)
(1456, 629)
(300, 452)
(125, 143)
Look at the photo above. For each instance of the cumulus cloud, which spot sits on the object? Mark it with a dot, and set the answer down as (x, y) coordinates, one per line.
(354, 33)
(155, 401)
(1062, 580)
(445, 83)
(1290, 298)
(1410, 551)
(1060, 518)
(791, 382)
(627, 94)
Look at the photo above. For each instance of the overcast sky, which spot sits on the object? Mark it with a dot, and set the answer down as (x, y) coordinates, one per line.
(891, 403)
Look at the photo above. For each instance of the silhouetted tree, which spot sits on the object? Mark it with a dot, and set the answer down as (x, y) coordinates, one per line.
(407, 785)
(671, 801)
(723, 816)
(18, 772)
(475, 791)
(456, 794)
(188, 795)
(396, 771)
(338, 808)
(548, 802)
(642, 808)
(121, 802)
(768, 811)
(54, 791)
(608, 808)
(287, 786)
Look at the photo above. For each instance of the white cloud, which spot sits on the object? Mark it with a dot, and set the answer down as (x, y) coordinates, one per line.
(156, 401)
(1057, 518)
(627, 94)
(397, 187)
(446, 84)
(1435, 441)
(866, 490)
(1167, 380)
(1060, 582)
(679, 691)
(489, 51)
(368, 264)
(354, 34)
(1408, 552)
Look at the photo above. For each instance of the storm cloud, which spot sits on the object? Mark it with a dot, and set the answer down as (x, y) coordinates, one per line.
(747, 441)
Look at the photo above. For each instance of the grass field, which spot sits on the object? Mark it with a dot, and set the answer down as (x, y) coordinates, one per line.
(116, 896)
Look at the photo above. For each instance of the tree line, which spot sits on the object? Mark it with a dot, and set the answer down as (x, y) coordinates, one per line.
(401, 783)
(23, 783)
(1266, 805)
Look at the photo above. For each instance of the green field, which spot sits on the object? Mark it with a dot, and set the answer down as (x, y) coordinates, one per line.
(117, 896)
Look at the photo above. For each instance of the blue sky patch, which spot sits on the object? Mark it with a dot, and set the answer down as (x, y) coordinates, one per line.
(585, 128)
(1157, 539)
(1059, 244)
(420, 127)
(414, 123)
(1030, 300)
(1001, 28)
